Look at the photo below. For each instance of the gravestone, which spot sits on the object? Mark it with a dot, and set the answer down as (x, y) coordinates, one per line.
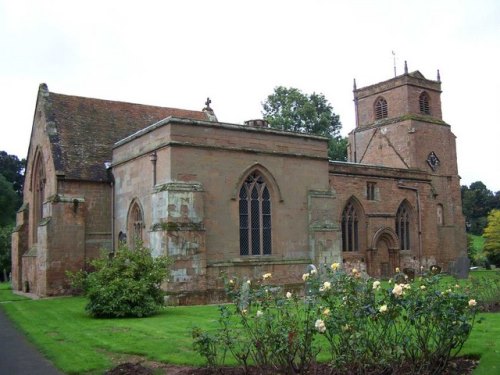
(435, 269)
(410, 272)
(244, 296)
(461, 268)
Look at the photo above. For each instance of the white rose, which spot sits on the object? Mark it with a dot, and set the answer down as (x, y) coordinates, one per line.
(320, 326)
(398, 290)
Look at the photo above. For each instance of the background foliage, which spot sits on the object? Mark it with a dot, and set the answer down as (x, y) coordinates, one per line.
(11, 198)
(290, 109)
(492, 237)
(477, 202)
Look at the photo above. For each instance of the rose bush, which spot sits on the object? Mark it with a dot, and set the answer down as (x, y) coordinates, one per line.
(366, 327)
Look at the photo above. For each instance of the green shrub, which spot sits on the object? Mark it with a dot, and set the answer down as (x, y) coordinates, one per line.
(414, 325)
(124, 285)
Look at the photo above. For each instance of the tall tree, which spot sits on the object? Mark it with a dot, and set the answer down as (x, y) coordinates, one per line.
(11, 197)
(8, 202)
(477, 202)
(492, 237)
(5, 258)
(290, 109)
(13, 170)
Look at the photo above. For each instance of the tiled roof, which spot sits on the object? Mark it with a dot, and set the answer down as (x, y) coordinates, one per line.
(83, 130)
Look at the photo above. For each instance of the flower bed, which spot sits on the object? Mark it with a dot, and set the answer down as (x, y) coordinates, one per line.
(351, 322)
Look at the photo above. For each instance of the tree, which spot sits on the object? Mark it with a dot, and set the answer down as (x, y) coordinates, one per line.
(291, 110)
(5, 244)
(13, 170)
(8, 202)
(492, 237)
(477, 202)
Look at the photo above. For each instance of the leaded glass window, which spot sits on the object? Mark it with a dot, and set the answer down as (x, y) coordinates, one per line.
(403, 226)
(350, 230)
(255, 216)
(135, 222)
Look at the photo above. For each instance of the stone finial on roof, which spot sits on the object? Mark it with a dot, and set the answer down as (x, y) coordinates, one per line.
(43, 90)
(406, 68)
(438, 76)
(354, 84)
(207, 103)
(209, 111)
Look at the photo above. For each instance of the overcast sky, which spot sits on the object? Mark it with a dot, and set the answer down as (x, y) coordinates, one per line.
(176, 53)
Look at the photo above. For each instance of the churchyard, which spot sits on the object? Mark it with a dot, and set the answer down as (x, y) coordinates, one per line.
(79, 344)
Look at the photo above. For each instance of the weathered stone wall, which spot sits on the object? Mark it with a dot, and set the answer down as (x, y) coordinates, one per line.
(194, 209)
(75, 223)
(437, 244)
(20, 237)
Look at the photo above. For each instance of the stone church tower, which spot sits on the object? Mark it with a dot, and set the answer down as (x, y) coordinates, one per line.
(399, 125)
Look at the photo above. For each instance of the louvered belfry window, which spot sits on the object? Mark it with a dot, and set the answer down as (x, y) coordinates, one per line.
(350, 235)
(403, 226)
(380, 108)
(424, 104)
(255, 216)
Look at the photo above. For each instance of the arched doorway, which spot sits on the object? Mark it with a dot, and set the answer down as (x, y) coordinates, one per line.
(383, 257)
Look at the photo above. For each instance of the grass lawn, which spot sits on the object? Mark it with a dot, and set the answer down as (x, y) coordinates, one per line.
(78, 344)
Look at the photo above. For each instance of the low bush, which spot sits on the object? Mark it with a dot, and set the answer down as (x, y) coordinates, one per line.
(124, 285)
(418, 324)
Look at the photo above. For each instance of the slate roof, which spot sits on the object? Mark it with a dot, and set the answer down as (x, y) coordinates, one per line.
(82, 131)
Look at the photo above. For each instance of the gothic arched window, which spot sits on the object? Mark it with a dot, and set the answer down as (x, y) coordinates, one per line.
(350, 230)
(255, 216)
(380, 108)
(135, 223)
(38, 188)
(403, 226)
(424, 103)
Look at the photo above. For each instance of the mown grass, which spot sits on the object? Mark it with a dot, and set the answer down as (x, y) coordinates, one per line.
(79, 344)
(6, 294)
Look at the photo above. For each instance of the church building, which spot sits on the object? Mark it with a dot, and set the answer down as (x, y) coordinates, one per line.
(238, 199)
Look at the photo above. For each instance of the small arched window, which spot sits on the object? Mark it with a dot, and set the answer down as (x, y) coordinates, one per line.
(135, 223)
(255, 216)
(380, 108)
(425, 107)
(439, 214)
(403, 226)
(350, 230)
